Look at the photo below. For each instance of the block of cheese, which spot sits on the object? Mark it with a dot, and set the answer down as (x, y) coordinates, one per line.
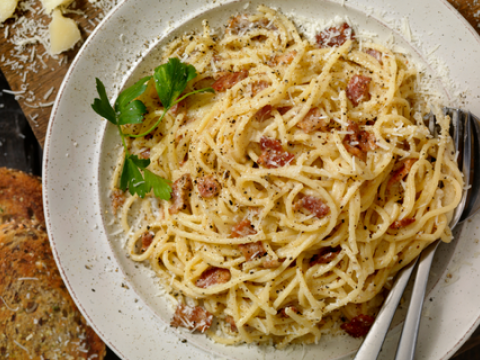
(50, 5)
(64, 33)
(7, 8)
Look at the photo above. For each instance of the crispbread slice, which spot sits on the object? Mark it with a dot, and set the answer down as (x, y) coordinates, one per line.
(20, 197)
(38, 318)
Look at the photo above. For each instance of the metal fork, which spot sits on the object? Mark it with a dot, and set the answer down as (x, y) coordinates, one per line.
(465, 131)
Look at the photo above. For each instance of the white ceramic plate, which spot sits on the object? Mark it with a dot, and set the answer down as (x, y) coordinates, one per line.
(117, 296)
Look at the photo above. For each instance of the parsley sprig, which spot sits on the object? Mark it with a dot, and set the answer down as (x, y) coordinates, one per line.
(170, 81)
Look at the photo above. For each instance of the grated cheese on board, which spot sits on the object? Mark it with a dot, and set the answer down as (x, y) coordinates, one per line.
(27, 44)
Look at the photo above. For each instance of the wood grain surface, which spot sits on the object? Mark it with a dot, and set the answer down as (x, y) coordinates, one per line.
(50, 76)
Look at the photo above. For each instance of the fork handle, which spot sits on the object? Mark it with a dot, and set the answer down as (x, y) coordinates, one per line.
(408, 339)
(373, 342)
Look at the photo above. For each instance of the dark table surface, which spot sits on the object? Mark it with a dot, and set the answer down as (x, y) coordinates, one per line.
(19, 149)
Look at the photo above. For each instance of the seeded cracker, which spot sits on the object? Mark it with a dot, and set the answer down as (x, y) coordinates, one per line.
(38, 318)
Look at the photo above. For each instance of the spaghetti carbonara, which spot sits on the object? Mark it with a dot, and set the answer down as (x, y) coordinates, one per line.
(300, 188)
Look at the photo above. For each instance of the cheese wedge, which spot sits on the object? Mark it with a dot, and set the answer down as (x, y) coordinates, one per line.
(7, 8)
(50, 5)
(64, 33)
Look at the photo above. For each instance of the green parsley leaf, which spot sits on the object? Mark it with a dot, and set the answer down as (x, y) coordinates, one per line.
(139, 184)
(132, 113)
(132, 178)
(131, 93)
(127, 110)
(191, 72)
(102, 106)
(141, 163)
(171, 80)
(161, 187)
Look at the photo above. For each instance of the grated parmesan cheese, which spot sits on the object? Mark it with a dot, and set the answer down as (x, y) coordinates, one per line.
(406, 29)
(48, 93)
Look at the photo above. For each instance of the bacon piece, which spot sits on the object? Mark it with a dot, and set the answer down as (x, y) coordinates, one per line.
(208, 186)
(192, 317)
(242, 229)
(398, 224)
(148, 136)
(228, 80)
(258, 86)
(359, 325)
(180, 190)
(229, 319)
(213, 276)
(315, 205)
(264, 113)
(118, 199)
(376, 54)
(325, 256)
(366, 141)
(283, 110)
(355, 151)
(273, 156)
(313, 121)
(284, 314)
(179, 107)
(401, 172)
(145, 154)
(252, 250)
(357, 89)
(147, 239)
(283, 59)
(360, 142)
(335, 36)
(272, 264)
